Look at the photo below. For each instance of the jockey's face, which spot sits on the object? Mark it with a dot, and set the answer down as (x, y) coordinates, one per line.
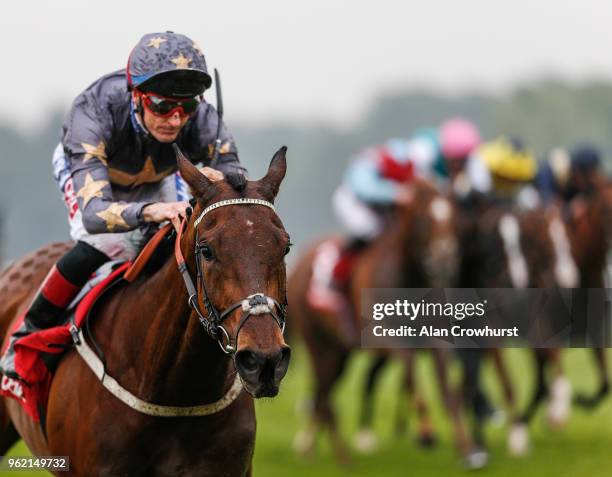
(164, 129)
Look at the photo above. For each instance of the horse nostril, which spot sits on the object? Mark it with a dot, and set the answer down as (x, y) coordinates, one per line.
(248, 361)
(282, 363)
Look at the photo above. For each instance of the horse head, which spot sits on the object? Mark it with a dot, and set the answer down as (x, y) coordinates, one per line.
(428, 220)
(240, 246)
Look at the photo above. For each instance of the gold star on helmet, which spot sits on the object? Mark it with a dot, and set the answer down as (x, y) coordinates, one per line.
(91, 189)
(181, 61)
(155, 42)
(197, 48)
(98, 151)
(112, 216)
(148, 174)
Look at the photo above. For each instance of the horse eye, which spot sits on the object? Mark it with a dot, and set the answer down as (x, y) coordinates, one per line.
(288, 248)
(207, 252)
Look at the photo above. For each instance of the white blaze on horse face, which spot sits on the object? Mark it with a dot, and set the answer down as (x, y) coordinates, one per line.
(440, 209)
(510, 232)
(566, 271)
(249, 225)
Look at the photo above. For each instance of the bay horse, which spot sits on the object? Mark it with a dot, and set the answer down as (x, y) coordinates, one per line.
(514, 246)
(589, 217)
(155, 346)
(419, 250)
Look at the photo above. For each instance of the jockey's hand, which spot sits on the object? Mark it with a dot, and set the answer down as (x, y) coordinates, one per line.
(404, 195)
(212, 174)
(161, 211)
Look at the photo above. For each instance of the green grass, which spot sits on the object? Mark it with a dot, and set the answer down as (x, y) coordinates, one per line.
(583, 448)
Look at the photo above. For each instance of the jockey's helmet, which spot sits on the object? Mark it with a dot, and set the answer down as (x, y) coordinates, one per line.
(508, 159)
(585, 157)
(458, 138)
(168, 64)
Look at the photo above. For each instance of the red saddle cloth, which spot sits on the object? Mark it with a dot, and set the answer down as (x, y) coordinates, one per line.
(30, 351)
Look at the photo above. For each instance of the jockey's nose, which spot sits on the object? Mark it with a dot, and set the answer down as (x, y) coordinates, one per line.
(175, 120)
(263, 371)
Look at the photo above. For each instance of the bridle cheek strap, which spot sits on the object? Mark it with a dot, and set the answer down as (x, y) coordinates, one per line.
(255, 304)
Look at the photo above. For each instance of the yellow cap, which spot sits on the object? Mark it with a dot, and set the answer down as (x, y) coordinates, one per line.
(506, 161)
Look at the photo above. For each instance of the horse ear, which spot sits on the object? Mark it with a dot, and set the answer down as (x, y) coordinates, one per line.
(271, 182)
(200, 185)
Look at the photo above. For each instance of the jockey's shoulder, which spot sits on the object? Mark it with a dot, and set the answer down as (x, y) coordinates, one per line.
(107, 94)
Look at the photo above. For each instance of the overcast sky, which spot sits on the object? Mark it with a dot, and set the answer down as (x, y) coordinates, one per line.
(320, 60)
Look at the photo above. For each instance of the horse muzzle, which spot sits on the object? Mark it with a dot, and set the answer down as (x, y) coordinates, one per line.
(261, 372)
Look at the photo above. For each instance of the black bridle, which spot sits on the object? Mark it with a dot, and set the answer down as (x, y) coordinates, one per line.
(255, 304)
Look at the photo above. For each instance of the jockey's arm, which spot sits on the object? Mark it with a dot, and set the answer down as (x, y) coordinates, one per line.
(101, 214)
(174, 211)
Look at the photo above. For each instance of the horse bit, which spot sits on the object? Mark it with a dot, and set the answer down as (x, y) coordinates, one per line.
(255, 304)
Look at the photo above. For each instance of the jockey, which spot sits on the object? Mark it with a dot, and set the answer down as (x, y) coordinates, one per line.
(116, 168)
(424, 151)
(553, 175)
(501, 170)
(372, 186)
(458, 138)
(585, 169)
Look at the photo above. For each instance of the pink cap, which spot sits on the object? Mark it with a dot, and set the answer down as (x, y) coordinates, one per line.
(458, 138)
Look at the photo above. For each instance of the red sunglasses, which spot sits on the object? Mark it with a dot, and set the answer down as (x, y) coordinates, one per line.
(165, 107)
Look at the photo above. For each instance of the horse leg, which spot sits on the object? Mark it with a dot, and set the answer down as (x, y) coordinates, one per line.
(541, 389)
(560, 392)
(506, 383)
(334, 365)
(328, 364)
(474, 458)
(589, 402)
(473, 398)
(365, 440)
(8, 433)
(518, 436)
(426, 437)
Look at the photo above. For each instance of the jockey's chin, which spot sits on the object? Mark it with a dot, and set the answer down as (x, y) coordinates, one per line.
(164, 129)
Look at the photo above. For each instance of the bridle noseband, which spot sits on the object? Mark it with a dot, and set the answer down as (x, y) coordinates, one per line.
(255, 304)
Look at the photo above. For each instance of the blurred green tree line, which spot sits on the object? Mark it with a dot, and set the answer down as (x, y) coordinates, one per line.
(545, 113)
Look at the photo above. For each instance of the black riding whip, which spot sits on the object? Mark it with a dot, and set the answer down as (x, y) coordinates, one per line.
(215, 156)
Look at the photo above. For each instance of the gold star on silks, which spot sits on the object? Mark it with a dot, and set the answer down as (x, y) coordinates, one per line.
(225, 148)
(146, 175)
(181, 62)
(91, 189)
(98, 151)
(155, 42)
(112, 216)
(197, 48)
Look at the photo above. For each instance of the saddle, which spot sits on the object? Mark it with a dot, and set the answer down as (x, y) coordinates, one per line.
(37, 355)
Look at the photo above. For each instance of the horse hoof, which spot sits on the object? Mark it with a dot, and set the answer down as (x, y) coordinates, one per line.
(518, 440)
(477, 459)
(427, 441)
(366, 442)
(560, 400)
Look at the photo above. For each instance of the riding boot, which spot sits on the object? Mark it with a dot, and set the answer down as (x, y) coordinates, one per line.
(61, 285)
